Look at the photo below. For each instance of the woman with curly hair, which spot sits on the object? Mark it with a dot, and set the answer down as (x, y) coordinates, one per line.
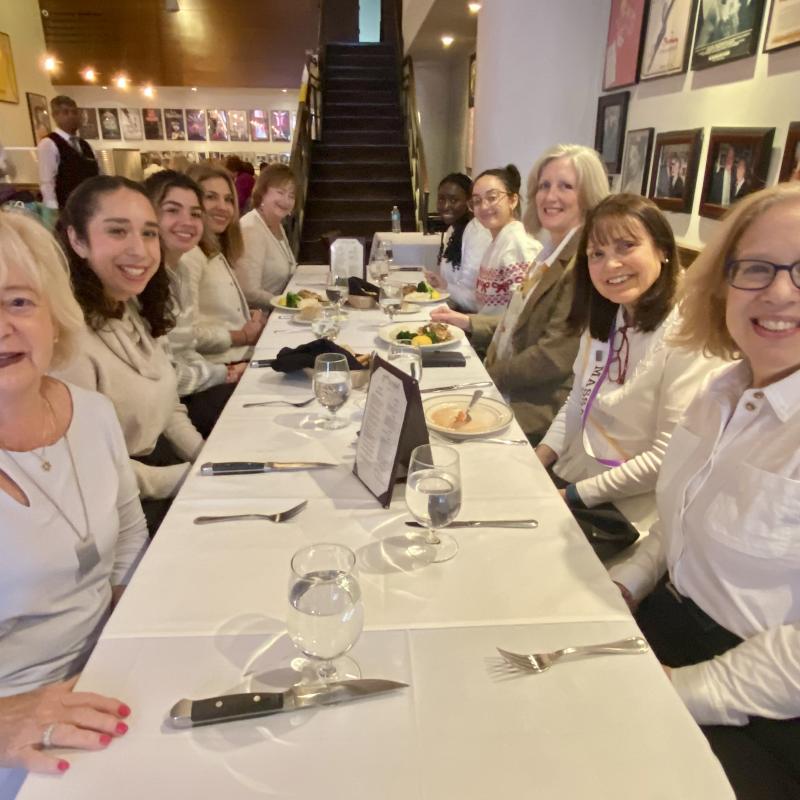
(110, 233)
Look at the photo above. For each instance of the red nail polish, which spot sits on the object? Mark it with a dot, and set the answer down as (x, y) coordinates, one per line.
(121, 727)
(123, 710)
(105, 739)
(63, 766)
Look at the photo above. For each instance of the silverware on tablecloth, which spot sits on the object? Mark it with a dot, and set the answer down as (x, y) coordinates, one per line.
(279, 402)
(249, 467)
(539, 662)
(281, 516)
(486, 523)
(230, 707)
(455, 386)
(477, 440)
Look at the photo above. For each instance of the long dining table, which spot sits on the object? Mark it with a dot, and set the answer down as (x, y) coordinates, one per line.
(205, 615)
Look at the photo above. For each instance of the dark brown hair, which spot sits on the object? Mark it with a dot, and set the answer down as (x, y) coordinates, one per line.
(273, 175)
(510, 178)
(155, 301)
(610, 218)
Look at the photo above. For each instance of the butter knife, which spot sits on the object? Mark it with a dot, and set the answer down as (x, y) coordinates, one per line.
(486, 523)
(248, 467)
(455, 386)
(230, 707)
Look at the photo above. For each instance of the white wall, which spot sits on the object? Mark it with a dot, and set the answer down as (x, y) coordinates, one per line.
(21, 21)
(414, 13)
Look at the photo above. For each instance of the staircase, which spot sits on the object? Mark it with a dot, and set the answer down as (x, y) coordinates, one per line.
(360, 169)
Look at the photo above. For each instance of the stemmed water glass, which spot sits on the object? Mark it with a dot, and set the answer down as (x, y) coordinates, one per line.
(326, 614)
(390, 298)
(338, 290)
(433, 497)
(332, 386)
(325, 324)
(408, 358)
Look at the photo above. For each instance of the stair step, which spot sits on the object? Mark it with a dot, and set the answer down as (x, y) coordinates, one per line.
(373, 171)
(360, 153)
(346, 123)
(356, 208)
(377, 189)
(363, 97)
(360, 71)
(351, 48)
(396, 136)
(378, 84)
(330, 109)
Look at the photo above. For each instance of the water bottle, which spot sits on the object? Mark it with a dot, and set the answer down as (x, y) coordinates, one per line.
(395, 219)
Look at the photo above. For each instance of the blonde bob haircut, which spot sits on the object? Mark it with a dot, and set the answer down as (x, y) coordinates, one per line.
(26, 244)
(592, 180)
(704, 289)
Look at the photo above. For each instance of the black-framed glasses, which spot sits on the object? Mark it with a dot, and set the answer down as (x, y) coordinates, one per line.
(752, 274)
(491, 198)
(620, 347)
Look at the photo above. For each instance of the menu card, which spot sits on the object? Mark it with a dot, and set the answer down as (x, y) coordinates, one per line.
(347, 258)
(393, 425)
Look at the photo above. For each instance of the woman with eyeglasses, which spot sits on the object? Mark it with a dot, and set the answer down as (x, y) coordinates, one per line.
(716, 585)
(631, 385)
(267, 263)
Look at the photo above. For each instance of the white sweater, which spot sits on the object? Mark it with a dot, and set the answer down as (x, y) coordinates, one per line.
(461, 280)
(124, 362)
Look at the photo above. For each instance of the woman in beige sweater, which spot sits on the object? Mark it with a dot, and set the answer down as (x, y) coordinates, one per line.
(122, 285)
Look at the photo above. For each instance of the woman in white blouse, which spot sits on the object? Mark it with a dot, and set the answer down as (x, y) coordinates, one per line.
(631, 384)
(267, 263)
(720, 571)
(72, 527)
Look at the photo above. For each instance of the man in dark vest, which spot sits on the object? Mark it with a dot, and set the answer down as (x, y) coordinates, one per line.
(65, 160)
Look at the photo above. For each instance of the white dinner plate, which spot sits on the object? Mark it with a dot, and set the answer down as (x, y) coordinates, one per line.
(424, 297)
(488, 416)
(274, 301)
(389, 332)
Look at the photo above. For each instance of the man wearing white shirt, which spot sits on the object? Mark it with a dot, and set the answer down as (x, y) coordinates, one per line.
(65, 160)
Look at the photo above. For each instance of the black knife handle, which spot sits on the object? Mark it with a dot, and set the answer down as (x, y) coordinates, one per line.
(232, 467)
(256, 363)
(229, 707)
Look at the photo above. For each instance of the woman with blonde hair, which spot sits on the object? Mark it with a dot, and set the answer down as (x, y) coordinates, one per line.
(716, 585)
(72, 526)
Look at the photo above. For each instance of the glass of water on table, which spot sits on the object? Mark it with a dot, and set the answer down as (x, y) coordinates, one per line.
(325, 615)
(337, 290)
(433, 497)
(332, 386)
(407, 357)
(390, 298)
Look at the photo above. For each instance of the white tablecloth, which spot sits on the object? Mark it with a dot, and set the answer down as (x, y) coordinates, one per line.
(204, 615)
(411, 249)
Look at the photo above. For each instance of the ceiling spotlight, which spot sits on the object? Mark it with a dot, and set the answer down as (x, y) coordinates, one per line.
(447, 40)
(474, 8)
(284, 90)
(149, 91)
(49, 63)
(121, 81)
(194, 88)
(105, 88)
(89, 74)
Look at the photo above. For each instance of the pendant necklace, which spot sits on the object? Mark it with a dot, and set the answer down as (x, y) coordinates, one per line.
(44, 462)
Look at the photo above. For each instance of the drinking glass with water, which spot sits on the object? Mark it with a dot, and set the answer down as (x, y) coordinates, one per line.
(332, 386)
(390, 298)
(326, 324)
(407, 357)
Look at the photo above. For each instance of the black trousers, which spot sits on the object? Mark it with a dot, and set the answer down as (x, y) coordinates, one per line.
(155, 509)
(205, 407)
(761, 759)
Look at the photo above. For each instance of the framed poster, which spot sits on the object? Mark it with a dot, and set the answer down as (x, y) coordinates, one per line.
(674, 171)
(259, 125)
(790, 165)
(217, 125)
(280, 126)
(131, 123)
(667, 38)
(237, 126)
(9, 93)
(153, 123)
(174, 127)
(609, 136)
(623, 43)
(109, 123)
(89, 127)
(196, 124)
(638, 147)
(726, 31)
(737, 164)
(39, 115)
(783, 27)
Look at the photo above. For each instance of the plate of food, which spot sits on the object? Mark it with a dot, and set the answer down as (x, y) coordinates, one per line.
(446, 414)
(428, 337)
(423, 292)
(294, 301)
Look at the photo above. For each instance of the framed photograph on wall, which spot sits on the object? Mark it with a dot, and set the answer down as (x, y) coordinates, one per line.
(667, 38)
(674, 172)
(609, 134)
(153, 123)
(623, 43)
(39, 115)
(259, 124)
(130, 120)
(217, 126)
(638, 147)
(237, 126)
(109, 123)
(726, 31)
(280, 126)
(9, 93)
(174, 126)
(196, 124)
(737, 165)
(783, 27)
(790, 165)
(89, 127)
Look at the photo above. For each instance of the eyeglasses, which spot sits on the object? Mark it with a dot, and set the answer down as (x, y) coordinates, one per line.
(751, 274)
(490, 199)
(619, 360)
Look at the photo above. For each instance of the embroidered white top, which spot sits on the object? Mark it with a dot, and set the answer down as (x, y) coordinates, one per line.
(729, 535)
(630, 422)
(461, 280)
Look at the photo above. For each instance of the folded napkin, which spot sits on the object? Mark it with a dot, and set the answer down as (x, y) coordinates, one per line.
(292, 359)
(362, 288)
(443, 358)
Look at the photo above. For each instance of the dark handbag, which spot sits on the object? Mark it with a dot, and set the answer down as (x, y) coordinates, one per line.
(606, 528)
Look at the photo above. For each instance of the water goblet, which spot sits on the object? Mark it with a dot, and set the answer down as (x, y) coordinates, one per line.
(326, 324)
(332, 386)
(337, 291)
(390, 298)
(407, 357)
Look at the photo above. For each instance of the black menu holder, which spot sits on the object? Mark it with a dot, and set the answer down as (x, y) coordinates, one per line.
(393, 425)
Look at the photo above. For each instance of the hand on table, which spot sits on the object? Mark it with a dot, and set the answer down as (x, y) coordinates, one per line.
(81, 720)
(235, 371)
(435, 280)
(252, 329)
(451, 317)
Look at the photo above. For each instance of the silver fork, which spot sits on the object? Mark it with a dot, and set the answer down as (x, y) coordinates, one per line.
(280, 402)
(281, 516)
(539, 662)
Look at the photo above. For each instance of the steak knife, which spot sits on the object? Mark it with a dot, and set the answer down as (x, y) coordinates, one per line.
(247, 467)
(230, 707)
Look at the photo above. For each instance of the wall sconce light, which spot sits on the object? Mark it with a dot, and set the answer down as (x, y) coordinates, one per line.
(447, 40)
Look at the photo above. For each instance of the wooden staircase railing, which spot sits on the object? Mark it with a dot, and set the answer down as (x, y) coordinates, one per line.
(416, 151)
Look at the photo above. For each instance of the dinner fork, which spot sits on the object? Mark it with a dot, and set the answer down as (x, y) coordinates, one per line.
(279, 402)
(539, 662)
(281, 516)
